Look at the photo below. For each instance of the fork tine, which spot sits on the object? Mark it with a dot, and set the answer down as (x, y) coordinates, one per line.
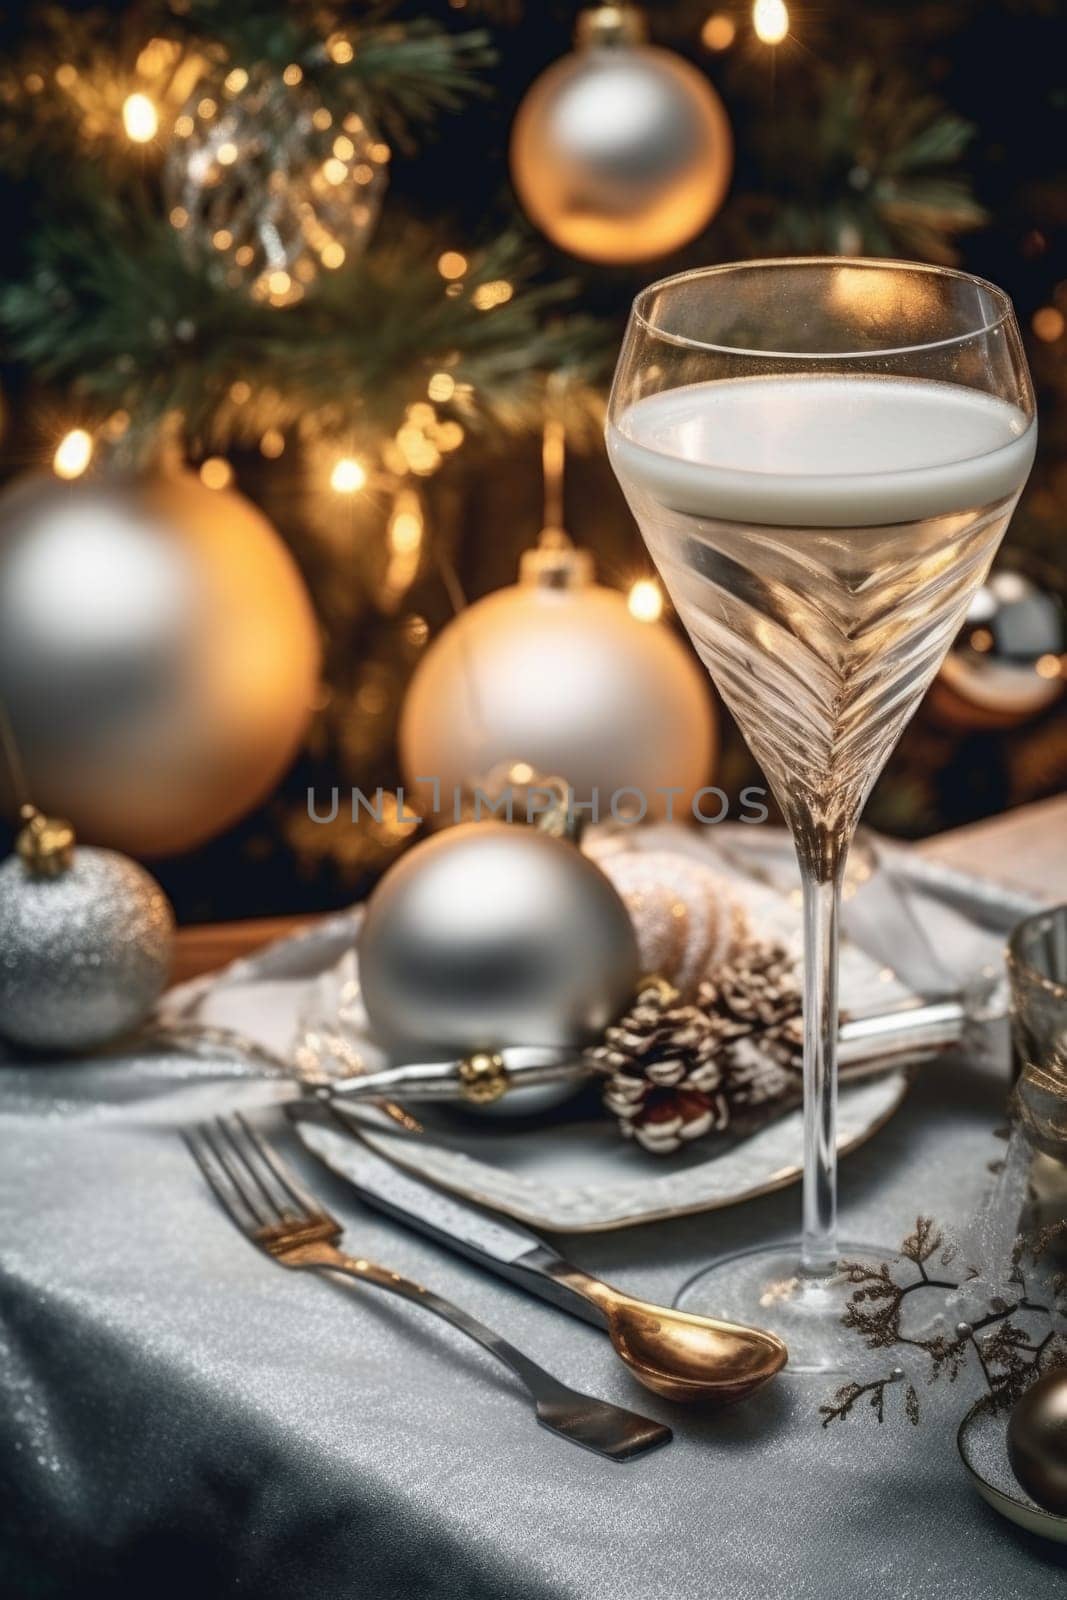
(229, 1196)
(284, 1174)
(233, 1135)
(238, 1175)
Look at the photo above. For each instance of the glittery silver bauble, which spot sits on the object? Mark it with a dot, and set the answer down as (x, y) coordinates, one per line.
(489, 935)
(1009, 662)
(1037, 1441)
(554, 671)
(268, 187)
(84, 954)
(158, 655)
(621, 152)
(685, 917)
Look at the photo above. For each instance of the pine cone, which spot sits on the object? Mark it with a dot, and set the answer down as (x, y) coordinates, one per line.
(757, 989)
(665, 1070)
(759, 994)
(678, 1071)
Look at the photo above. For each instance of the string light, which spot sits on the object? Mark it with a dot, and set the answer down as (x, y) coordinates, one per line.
(272, 444)
(339, 49)
(292, 75)
(451, 264)
(441, 387)
(488, 295)
(718, 32)
(348, 476)
(216, 473)
(770, 19)
(1048, 666)
(1048, 324)
(140, 118)
(405, 543)
(333, 255)
(645, 601)
(73, 454)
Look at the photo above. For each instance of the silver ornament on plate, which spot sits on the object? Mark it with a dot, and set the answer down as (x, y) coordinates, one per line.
(490, 935)
(85, 944)
(158, 655)
(621, 152)
(556, 672)
(268, 187)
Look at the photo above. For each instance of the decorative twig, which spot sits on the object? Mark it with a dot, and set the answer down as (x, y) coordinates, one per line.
(1010, 1357)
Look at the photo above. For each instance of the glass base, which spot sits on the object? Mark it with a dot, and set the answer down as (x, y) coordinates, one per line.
(768, 1288)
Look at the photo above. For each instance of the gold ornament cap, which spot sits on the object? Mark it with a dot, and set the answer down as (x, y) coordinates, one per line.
(556, 563)
(611, 25)
(45, 845)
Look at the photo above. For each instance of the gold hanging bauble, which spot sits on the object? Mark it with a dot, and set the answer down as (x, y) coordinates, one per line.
(158, 655)
(621, 152)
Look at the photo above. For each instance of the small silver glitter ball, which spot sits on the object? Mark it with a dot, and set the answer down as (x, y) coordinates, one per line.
(487, 936)
(84, 954)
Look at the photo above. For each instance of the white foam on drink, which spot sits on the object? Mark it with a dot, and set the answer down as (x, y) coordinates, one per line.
(823, 451)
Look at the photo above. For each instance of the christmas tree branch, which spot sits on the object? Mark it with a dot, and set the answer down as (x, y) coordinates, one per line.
(110, 308)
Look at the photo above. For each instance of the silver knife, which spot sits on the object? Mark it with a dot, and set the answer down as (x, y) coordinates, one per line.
(490, 1240)
(868, 1043)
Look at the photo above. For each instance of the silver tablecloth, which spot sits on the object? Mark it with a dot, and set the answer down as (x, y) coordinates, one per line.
(179, 1416)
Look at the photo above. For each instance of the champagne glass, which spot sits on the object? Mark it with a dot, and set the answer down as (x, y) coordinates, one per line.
(822, 455)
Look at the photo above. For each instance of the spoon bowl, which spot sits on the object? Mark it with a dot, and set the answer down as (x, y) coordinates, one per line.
(689, 1358)
(675, 1353)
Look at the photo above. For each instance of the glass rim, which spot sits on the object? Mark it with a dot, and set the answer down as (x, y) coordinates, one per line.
(1019, 961)
(1005, 314)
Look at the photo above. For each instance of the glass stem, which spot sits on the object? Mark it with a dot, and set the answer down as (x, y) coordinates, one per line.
(822, 899)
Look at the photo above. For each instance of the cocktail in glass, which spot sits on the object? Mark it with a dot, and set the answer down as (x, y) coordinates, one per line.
(822, 456)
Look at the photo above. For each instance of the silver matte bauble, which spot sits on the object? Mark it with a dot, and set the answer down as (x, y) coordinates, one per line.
(564, 678)
(621, 152)
(158, 655)
(84, 955)
(1009, 662)
(488, 935)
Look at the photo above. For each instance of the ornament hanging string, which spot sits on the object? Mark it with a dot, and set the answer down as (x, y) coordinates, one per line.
(12, 760)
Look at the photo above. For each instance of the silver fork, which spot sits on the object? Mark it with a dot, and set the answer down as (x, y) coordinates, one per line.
(271, 1206)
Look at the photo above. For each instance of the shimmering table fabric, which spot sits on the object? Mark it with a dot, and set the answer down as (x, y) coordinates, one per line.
(178, 1416)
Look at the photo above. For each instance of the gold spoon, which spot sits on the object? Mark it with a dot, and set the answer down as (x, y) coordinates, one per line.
(674, 1353)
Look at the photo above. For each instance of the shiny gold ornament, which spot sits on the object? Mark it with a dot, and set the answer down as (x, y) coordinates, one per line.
(45, 845)
(484, 1078)
(621, 152)
(268, 188)
(557, 673)
(1037, 1441)
(158, 655)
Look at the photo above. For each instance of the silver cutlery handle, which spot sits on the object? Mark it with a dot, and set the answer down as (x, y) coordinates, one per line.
(596, 1424)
